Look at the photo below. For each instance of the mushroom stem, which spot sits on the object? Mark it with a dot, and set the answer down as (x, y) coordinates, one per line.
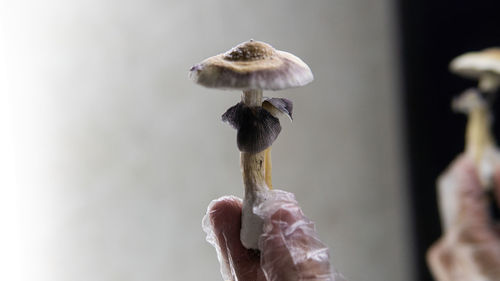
(253, 170)
(478, 142)
(253, 164)
(478, 133)
(478, 137)
(252, 97)
(268, 168)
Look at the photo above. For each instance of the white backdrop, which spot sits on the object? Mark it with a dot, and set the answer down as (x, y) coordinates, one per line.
(113, 153)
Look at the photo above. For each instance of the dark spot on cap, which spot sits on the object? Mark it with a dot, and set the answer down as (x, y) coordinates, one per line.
(249, 51)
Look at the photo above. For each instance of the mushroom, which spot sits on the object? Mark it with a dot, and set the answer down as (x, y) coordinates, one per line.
(483, 65)
(479, 141)
(252, 67)
(480, 144)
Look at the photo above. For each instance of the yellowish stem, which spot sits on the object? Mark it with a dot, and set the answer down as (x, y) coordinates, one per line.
(268, 168)
(253, 172)
(478, 134)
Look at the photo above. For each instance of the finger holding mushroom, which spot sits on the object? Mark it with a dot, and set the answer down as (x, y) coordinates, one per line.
(469, 248)
(253, 67)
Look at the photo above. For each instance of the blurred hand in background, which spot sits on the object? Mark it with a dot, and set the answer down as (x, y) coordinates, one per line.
(469, 249)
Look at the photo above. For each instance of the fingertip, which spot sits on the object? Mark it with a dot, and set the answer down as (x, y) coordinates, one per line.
(225, 218)
(462, 175)
(214, 223)
(222, 215)
(224, 211)
(460, 169)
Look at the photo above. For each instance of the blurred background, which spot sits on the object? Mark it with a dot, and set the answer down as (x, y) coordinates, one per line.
(432, 33)
(111, 154)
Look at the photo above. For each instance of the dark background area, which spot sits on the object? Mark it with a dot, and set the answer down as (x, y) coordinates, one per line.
(433, 33)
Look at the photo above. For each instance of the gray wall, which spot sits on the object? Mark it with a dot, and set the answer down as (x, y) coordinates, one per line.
(132, 151)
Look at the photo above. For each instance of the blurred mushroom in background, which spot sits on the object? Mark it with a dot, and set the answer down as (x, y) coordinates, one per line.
(469, 190)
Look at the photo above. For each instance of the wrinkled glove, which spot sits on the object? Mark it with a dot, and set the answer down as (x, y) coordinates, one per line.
(289, 246)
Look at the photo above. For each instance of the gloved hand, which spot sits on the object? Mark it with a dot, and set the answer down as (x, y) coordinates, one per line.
(289, 247)
(469, 249)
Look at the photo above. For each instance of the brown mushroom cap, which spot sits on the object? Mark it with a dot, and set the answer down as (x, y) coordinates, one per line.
(475, 64)
(252, 65)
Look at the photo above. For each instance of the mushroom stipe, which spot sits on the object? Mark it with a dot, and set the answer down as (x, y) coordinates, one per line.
(253, 67)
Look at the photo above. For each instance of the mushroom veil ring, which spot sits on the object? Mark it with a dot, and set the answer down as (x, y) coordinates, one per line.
(253, 67)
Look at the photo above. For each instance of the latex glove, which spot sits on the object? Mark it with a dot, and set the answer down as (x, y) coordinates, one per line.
(469, 249)
(289, 247)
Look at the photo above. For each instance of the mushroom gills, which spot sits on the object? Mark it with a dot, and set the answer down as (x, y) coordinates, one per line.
(257, 128)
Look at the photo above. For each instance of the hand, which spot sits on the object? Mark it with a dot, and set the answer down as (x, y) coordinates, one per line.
(470, 247)
(289, 247)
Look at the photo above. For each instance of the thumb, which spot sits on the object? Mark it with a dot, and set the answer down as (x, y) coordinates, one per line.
(461, 197)
(222, 223)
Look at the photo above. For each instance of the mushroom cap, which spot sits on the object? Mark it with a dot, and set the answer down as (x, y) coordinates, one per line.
(475, 64)
(252, 65)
